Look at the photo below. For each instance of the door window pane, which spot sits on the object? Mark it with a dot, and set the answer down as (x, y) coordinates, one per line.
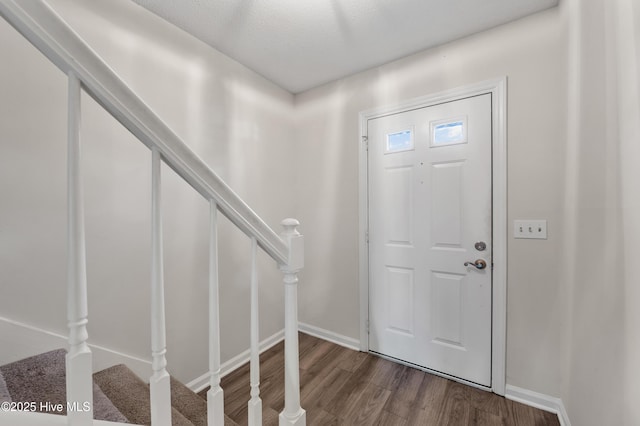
(399, 141)
(449, 132)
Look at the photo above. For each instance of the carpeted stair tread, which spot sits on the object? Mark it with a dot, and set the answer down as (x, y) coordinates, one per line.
(119, 394)
(103, 408)
(5, 396)
(192, 405)
(41, 378)
(131, 395)
(188, 403)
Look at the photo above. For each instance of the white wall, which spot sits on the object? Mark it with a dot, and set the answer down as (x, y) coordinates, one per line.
(628, 90)
(573, 108)
(229, 115)
(627, 26)
(532, 53)
(594, 369)
(603, 358)
(573, 131)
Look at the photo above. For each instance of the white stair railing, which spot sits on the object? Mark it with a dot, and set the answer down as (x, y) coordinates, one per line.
(255, 403)
(78, 361)
(39, 24)
(215, 395)
(159, 384)
(292, 414)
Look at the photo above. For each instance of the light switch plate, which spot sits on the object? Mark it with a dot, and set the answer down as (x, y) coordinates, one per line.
(530, 229)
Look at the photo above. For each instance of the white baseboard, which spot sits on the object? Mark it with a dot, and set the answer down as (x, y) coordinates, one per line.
(236, 362)
(338, 339)
(539, 400)
(19, 340)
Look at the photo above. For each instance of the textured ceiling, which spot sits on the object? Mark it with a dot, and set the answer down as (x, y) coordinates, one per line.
(300, 44)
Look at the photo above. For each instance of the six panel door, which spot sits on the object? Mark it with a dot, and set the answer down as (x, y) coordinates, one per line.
(429, 186)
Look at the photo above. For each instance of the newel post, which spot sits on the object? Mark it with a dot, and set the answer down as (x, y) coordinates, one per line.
(293, 414)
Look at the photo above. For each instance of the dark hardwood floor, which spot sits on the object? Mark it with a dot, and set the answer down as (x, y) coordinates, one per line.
(340, 386)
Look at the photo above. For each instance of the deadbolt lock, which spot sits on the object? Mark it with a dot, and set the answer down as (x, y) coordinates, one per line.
(481, 246)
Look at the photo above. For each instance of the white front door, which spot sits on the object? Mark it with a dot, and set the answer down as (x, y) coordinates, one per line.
(429, 191)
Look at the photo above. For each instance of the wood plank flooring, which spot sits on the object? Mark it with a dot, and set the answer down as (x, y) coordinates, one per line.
(339, 386)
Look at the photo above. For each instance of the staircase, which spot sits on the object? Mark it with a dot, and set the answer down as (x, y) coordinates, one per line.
(169, 402)
(119, 395)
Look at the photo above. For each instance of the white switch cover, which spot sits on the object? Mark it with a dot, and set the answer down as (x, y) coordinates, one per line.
(533, 229)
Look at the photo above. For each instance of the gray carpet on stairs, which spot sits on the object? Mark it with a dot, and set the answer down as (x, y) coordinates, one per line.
(131, 395)
(188, 403)
(119, 395)
(41, 378)
(5, 396)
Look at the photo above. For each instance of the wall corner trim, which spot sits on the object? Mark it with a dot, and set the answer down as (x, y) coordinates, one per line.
(539, 400)
(338, 339)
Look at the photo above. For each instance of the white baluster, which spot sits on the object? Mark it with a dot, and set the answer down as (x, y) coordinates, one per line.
(215, 396)
(255, 403)
(160, 382)
(292, 414)
(78, 360)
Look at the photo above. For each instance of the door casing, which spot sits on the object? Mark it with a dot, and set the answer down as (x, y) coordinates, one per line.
(498, 90)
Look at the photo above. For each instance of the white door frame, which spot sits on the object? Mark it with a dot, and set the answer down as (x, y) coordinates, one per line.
(498, 90)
